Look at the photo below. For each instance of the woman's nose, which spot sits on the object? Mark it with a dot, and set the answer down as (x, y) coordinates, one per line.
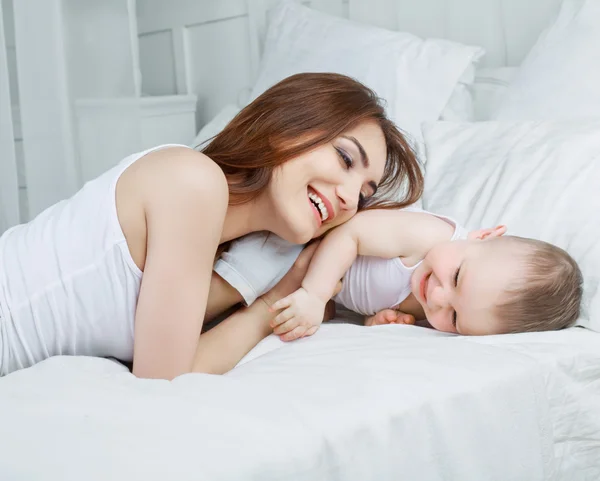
(348, 194)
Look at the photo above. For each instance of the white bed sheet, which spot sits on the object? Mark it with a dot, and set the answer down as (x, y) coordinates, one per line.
(350, 403)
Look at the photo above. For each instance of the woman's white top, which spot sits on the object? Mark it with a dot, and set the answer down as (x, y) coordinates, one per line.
(68, 284)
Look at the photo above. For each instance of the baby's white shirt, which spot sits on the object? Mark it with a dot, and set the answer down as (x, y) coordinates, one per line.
(256, 262)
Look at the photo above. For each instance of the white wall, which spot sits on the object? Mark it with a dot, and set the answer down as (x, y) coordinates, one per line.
(9, 190)
(44, 103)
(9, 33)
(88, 50)
(99, 49)
(195, 46)
(212, 47)
(78, 108)
(207, 47)
(98, 61)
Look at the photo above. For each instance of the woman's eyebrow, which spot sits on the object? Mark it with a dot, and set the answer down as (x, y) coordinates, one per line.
(363, 155)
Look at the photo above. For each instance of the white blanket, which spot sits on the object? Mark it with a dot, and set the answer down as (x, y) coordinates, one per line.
(350, 403)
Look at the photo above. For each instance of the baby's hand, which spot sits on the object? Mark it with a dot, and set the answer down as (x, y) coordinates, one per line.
(389, 316)
(301, 316)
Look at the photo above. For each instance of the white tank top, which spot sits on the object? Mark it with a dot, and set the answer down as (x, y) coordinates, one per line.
(373, 283)
(68, 284)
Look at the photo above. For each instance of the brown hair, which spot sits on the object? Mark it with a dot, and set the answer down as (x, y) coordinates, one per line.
(299, 114)
(548, 296)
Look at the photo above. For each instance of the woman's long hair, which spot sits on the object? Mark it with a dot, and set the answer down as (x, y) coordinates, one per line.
(297, 115)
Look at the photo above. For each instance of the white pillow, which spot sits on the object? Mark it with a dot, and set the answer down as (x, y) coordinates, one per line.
(560, 77)
(416, 77)
(540, 179)
(478, 94)
(490, 85)
(460, 106)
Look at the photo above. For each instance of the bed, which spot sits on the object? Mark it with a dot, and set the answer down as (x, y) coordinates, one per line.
(370, 403)
(351, 403)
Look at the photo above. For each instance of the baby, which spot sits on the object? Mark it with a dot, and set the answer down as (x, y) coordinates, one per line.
(475, 283)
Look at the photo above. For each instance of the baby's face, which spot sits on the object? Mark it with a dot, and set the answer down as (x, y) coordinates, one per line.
(459, 283)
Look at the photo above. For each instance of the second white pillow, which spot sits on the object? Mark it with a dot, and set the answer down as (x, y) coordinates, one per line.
(538, 178)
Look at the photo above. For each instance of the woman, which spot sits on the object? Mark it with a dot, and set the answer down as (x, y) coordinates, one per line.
(136, 246)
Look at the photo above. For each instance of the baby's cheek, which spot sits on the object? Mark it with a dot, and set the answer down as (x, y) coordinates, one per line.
(439, 322)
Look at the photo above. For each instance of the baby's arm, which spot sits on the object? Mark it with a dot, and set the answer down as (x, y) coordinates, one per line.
(381, 233)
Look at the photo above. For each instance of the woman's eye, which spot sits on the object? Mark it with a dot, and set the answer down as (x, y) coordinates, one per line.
(345, 158)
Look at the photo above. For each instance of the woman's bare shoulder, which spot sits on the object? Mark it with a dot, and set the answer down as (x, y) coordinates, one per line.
(174, 172)
(182, 168)
(162, 185)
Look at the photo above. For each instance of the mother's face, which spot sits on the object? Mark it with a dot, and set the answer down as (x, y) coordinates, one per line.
(324, 188)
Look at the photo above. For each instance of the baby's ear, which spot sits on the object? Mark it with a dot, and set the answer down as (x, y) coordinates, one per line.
(482, 234)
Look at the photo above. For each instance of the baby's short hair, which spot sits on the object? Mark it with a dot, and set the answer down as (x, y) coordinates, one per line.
(548, 295)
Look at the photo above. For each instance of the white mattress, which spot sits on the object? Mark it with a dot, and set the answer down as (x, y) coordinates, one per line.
(350, 403)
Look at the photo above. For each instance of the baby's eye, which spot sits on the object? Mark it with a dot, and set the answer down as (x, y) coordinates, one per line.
(456, 278)
(454, 319)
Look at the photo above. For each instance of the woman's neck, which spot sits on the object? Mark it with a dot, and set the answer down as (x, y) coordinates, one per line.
(243, 219)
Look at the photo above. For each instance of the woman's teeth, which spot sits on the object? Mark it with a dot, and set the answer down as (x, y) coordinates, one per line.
(319, 205)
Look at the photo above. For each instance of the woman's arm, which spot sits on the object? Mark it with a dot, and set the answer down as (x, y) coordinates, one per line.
(221, 348)
(182, 239)
(221, 296)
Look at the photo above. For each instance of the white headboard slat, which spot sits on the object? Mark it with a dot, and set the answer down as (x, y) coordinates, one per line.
(156, 15)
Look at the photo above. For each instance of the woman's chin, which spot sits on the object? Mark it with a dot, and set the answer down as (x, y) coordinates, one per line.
(303, 237)
(300, 235)
(298, 228)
